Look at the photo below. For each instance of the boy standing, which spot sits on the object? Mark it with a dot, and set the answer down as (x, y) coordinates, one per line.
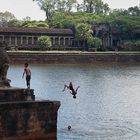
(27, 71)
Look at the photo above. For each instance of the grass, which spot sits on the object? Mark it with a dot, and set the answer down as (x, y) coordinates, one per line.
(28, 51)
(76, 52)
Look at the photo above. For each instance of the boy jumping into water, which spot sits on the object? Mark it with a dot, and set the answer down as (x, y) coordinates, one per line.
(27, 71)
(72, 90)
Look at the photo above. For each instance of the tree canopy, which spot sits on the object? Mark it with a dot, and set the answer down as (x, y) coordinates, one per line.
(5, 17)
(80, 17)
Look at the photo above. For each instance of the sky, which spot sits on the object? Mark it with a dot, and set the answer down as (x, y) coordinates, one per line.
(24, 8)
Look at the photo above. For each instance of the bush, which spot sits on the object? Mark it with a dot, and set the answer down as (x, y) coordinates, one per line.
(94, 42)
(137, 44)
(131, 46)
(44, 42)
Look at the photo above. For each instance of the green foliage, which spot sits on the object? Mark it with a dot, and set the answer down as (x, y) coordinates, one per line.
(44, 42)
(128, 26)
(134, 11)
(94, 42)
(14, 23)
(48, 6)
(83, 31)
(128, 46)
(65, 5)
(71, 20)
(51, 7)
(41, 24)
(5, 17)
(95, 6)
(124, 23)
(137, 43)
(131, 45)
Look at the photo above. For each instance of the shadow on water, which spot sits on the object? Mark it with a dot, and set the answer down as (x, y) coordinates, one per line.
(107, 104)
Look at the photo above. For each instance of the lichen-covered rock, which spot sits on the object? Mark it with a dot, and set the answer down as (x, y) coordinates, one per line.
(4, 65)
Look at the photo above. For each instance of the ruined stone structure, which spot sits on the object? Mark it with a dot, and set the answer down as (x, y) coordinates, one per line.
(21, 117)
(62, 39)
(109, 35)
(27, 38)
(4, 65)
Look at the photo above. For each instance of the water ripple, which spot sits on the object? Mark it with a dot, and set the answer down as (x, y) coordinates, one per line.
(104, 130)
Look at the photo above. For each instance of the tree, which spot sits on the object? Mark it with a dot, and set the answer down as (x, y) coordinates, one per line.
(118, 12)
(65, 5)
(80, 7)
(52, 6)
(5, 18)
(99, 7)
(70, 4)
(38, 24)
(48, 6)
(95, 6)
(106, 8)
(84, 33)
(134, 11)
(14, 23)
(44, 42)
(94, 42)
(61, 5)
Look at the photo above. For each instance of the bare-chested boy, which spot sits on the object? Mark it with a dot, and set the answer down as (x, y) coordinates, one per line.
(72, 90)
(27, 71)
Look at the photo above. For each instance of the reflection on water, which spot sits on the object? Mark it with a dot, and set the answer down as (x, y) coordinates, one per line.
(107, 106)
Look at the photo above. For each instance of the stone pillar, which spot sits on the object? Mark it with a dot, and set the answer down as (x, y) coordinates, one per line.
(69, 41)
(53, 40)
(111, 40)
(27, 40)
(9, 40)
(15, 40)
(21, 40)
(3, 38)
(64, 41)
(32, 40)
(59, 40)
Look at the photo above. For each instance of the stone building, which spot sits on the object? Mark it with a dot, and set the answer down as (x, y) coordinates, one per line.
(62, 39)
(110, 36)
(27, 38)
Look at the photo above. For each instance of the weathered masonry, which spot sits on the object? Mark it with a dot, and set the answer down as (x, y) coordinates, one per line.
(109, 35)
(27, 38)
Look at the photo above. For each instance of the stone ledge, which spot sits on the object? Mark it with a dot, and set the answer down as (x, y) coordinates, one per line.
(28, 120)
(16, 94)
(88, 57)
(35, 136)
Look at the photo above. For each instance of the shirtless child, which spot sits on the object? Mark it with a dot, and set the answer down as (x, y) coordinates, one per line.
(72, 90)
(27, 71)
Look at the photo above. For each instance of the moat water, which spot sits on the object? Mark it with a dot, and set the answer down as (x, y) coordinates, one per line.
(107, 106)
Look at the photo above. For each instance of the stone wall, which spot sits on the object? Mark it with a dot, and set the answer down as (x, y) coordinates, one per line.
(17, 57)
(28, 120)
(24, 118)
(16, 94)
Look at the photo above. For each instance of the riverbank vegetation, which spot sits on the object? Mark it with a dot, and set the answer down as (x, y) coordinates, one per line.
(81, 17)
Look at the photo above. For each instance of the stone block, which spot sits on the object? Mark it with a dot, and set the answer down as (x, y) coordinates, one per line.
(16, 94)
(28, 120)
